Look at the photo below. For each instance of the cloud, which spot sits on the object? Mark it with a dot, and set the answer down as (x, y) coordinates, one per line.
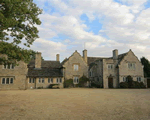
(125, 25)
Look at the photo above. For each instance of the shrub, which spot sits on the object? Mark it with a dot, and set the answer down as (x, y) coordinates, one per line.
(40, 87)
(51, 85)
(142, 85)
(68, 83)
(123, 85)
(94, 85)
(82, 81)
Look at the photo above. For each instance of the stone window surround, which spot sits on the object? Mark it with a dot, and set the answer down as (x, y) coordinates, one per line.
(58, 80)
(73, 65)
(41, 80)
(138, 79)
(9, 78)
(131, 65)
(110, 66)
(5, 66)
(31, 80)
(50, 80)
(75, 79)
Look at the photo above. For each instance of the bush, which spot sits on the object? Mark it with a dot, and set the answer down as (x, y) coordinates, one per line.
(123, 85)
(40, 87)
(142, 85)
(132, 84)
(82, 81)
(68, 83)
(94, 85)
(51, 85)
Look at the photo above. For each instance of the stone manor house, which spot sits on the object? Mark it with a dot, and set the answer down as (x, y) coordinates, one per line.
(106, 72)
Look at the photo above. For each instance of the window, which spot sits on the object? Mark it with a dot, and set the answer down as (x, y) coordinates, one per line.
(60, 80)
(124, 79)
(42, 80)
(90, 73)
(50, 80)
(3, 81)
(110, 66)
(139, 79)
(76, 67)
(131, 65)
(8, 66)
(11, 80)
(57, 80)
(33, 80)
(7, 80)
(39, 80)
(30, 80)
(75, 80)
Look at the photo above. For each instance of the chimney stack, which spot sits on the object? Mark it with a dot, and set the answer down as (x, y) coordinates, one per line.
(85, 55)
(57, 57)
(38, 60)
(115, 54)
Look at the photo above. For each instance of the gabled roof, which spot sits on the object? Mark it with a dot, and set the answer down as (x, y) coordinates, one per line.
(48, 69)
(121, 56)
(93, 59)
(46, 64)
(44, 72)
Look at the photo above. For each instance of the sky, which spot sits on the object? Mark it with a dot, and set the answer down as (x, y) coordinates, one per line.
(100, 26)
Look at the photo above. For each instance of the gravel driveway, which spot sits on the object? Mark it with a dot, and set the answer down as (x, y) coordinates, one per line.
(75, 104)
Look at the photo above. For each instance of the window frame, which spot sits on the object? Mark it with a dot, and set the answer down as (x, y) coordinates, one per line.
(43, 80)
(110, 66)
(131, 66)
(76, 67)
(76, 80)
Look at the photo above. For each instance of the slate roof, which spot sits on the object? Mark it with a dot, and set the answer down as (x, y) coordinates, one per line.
(44, 72)
(93, 59)
(48, 69)
(49, 64)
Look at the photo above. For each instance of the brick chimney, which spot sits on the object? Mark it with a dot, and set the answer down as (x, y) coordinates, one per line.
(57, 57)
(115, 54)
(38, 60)
(85, 55)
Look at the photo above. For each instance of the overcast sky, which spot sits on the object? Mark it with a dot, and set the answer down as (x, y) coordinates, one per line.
(96, 25)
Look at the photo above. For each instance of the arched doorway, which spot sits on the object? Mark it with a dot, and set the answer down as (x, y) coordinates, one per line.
(110, 82)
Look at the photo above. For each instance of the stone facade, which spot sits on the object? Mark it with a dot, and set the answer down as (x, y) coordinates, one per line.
(116, 69)
(17, 75)
(106, 72)
(75, 60)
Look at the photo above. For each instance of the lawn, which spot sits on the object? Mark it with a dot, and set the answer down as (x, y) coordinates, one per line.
(75, 104)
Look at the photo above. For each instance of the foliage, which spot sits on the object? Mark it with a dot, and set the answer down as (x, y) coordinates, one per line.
(17, 21)
(40, 87)
(82, 81)
(94, 85)
(15, 53)
(68, 83)
(51, 85)
(146, 68)
(132, 84)
(123, 85)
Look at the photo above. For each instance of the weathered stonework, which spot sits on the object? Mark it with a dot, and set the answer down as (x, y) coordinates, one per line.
(75, 59)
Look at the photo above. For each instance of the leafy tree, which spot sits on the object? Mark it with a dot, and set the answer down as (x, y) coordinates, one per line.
(17, 22)
(146, 64)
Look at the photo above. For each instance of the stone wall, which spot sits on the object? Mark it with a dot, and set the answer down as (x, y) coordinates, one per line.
(77, 59)
(36, 84)
(125, 71)
(18, 74)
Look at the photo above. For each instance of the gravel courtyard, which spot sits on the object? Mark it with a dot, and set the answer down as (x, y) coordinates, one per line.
(75, 104)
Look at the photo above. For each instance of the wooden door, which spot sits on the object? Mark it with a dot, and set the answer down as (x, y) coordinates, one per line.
(110, 82)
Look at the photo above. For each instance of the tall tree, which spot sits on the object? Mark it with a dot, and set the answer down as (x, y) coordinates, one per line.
(146, 64)
(17, 22)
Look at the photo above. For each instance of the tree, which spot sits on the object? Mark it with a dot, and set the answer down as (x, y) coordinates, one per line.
(17, 22)
(146, 64)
